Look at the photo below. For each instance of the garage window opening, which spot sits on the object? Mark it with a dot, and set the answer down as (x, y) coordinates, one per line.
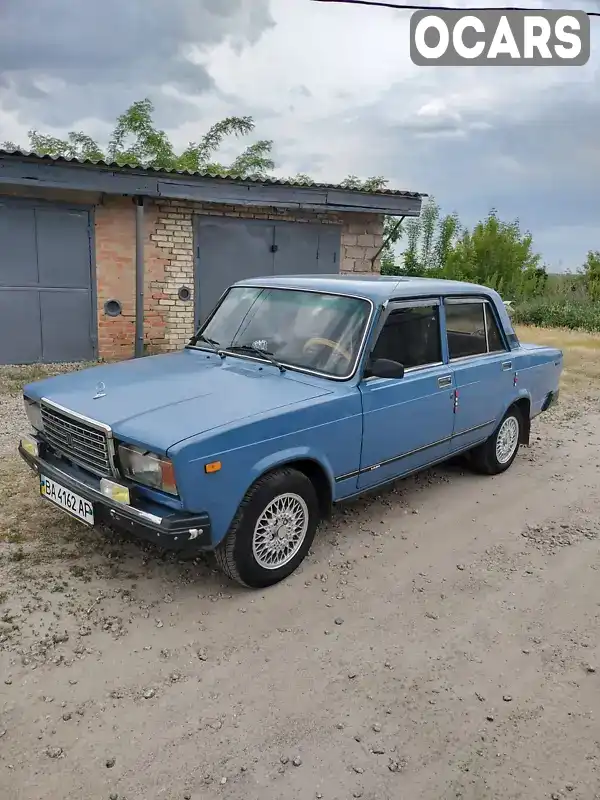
(310, 331)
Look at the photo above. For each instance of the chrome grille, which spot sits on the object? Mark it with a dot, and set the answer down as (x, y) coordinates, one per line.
(79, 441)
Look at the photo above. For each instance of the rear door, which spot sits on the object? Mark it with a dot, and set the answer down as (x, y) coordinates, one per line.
(407, 422)
(482, 366)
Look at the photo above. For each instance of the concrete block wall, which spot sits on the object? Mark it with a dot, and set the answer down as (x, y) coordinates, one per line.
(169, 264)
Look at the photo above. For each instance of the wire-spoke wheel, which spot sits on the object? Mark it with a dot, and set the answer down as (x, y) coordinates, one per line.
(500, 450)
(280, 531)
(272, 531)
(507, 439)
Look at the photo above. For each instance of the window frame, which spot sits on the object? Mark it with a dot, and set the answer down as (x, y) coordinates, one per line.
(293, 367)
(398, 305)
(488, 308)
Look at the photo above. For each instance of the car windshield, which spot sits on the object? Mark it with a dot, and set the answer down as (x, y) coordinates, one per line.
(308, 330)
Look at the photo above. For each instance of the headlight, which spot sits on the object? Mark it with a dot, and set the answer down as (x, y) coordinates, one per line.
(34, 414)
(147, 468)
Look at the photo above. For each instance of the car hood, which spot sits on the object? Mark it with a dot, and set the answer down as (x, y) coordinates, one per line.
(158, 401)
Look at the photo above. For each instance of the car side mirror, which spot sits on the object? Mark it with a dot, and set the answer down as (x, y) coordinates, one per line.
(384, 368)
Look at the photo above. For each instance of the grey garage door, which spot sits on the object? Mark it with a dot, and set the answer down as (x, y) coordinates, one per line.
(232, 249)
(45, 284)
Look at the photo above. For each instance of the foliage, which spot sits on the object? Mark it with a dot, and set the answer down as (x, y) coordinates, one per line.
(136, 141)
(547, 312)
(392, 232)
(429, 240)
(494, 253)
(591, 274)
(499, 255)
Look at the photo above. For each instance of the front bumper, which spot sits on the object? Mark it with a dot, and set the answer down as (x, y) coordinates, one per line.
(174, 530)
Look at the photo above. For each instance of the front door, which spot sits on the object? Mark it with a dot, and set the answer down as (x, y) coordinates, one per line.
(482, 366)
(407, 422)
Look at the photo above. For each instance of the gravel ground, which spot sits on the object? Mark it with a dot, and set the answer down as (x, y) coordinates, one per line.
(14, 422)
(440, 642)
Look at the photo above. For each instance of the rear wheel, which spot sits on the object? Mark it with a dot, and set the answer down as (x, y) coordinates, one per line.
(272, 531)
(500, 450)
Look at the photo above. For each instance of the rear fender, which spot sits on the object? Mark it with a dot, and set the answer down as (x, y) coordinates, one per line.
(523, 403)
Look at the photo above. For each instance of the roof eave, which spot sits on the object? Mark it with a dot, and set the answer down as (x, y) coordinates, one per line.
(31, 171)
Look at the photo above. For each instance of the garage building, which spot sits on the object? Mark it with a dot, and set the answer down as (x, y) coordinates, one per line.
(82, 245)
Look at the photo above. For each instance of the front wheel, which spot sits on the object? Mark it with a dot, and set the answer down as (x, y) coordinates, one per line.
(272, 531)
(500, 450)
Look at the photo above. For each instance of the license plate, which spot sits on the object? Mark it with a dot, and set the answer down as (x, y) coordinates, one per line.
(67, 500)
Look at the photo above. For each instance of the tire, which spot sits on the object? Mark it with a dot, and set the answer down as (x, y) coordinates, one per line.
(497, 453)
(248, 554)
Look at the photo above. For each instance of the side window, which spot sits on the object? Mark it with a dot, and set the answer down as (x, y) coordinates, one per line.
(495, 343)
(472, 329)
(465, 324)
(411, 336)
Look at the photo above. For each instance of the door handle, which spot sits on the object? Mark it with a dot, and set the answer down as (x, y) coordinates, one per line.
(506, 365)
(444, 381)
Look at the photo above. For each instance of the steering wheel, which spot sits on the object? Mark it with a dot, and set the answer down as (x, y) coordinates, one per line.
(335, 346)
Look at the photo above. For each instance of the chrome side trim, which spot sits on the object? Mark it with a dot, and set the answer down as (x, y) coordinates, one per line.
(424, 366)
(407, 371)
(459, 300)
(387, 481)
(422, 449)
(474, 428)
(354, 474)
(460, 359)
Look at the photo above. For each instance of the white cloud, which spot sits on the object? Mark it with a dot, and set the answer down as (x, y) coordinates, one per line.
(334, 87)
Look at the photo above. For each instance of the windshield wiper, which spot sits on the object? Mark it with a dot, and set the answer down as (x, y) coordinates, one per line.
(207, 340)
(256, 351)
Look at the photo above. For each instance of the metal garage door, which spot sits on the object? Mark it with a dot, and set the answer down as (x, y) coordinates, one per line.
(45, 284)
(231, 249)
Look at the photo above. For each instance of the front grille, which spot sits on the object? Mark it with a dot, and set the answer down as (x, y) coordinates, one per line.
(78, 441)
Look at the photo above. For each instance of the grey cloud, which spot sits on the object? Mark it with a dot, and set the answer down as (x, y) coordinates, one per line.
(538, 162)
(112, 53)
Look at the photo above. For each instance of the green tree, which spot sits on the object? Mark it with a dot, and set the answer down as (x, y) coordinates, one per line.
(499, 255)
(136, 141)
(429, 240)
(591, 272)
(493, 253)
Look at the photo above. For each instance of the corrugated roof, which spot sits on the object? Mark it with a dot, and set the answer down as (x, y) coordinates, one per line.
(112, 165)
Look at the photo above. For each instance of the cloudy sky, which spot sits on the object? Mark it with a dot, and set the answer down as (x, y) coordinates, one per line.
(334, 87)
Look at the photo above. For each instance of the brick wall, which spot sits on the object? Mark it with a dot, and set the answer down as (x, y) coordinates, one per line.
(169, 264)
(115, 277)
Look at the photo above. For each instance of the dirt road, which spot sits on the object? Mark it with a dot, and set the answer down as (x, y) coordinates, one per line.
(440, 642)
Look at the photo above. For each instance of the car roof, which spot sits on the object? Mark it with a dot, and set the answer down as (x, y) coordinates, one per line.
(377, 288)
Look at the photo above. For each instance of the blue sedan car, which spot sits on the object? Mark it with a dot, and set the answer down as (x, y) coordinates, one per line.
(298, 392)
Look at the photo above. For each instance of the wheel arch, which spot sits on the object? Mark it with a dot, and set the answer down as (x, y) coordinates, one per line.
(319, 474)
(523, 406)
